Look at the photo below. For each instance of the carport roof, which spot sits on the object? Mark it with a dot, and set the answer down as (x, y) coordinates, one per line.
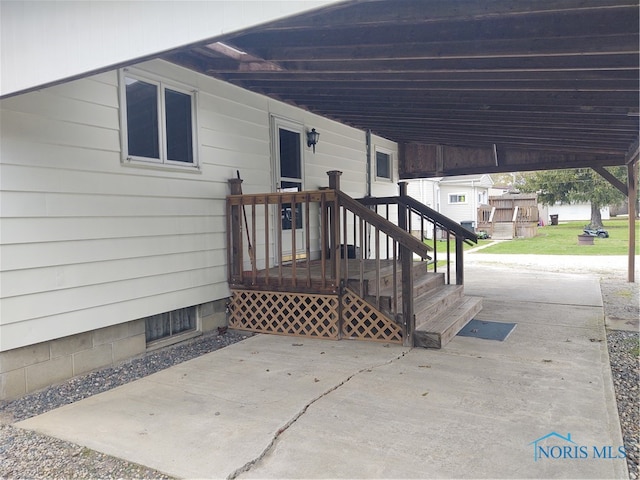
(545, 83)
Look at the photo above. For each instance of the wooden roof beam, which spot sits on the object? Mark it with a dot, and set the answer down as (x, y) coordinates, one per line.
(428, 160)
(609, 177)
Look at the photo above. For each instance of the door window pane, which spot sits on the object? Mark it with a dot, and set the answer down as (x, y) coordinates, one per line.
(290, 162)
(287, 213)
(142, 119)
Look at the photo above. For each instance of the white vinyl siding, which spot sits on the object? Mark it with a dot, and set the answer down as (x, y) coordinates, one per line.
(87, 242)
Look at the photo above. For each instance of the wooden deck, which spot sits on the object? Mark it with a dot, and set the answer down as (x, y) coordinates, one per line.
(314, 275)
(371, 297)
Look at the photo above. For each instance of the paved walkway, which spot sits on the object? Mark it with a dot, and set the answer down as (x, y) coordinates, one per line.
(602, 265)
(282, 407)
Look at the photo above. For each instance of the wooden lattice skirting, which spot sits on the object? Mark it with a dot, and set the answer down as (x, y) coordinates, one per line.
(293, 314)
(362, 321)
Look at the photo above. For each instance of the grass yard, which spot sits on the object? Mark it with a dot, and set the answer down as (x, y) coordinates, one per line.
(563, 240)
(442, 244)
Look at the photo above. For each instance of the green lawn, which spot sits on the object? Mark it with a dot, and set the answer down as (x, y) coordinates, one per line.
(563, 240)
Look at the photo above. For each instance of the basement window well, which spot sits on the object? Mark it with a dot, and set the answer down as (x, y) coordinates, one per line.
(170, 327)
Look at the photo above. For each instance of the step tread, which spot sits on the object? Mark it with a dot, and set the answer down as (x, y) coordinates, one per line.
(429, 299)
(441, 322)
(424, 283)
(387, 270)
(438, 331)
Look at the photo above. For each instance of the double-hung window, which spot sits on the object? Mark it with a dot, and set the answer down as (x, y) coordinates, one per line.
(158, 122)
(384, 165)
(457, 198)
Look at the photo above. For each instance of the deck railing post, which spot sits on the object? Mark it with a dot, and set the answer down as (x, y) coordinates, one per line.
(235, 186)
(459, 260)
(406, 276)
(408, 319)
(334, 226)
(403, 212)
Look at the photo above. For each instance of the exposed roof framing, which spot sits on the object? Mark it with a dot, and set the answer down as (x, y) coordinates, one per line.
(546, 83)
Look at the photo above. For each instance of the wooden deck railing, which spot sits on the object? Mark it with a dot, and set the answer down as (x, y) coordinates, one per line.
(318, 251)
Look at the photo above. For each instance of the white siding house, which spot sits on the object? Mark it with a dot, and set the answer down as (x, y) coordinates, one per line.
(94, 241)
(572, 212)
(456, 197)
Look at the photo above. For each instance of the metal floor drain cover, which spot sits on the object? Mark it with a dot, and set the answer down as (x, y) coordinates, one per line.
(487, 330)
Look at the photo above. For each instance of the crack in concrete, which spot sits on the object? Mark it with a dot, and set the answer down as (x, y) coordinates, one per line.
(251, 463)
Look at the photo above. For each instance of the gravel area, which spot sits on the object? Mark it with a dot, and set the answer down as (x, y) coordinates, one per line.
(25, 454)
(621, 301)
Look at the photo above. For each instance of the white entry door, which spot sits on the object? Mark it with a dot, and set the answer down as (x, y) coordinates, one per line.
(289, 177)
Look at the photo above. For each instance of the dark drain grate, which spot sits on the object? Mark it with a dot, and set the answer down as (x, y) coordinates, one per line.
(487, 330)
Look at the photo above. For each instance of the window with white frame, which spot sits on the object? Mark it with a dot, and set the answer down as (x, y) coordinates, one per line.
(383, 165)
(158, 121)
(457, 198)
(171, 324)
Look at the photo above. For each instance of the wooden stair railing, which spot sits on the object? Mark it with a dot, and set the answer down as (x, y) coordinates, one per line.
(408, 208)
(366, 232)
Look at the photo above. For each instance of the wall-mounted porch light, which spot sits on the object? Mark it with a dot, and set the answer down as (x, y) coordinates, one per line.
(312, 139)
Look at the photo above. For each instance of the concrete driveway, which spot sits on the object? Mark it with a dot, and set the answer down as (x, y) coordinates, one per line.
(282, 407)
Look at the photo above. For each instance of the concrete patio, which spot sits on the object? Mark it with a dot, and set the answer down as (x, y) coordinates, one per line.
(283, 407)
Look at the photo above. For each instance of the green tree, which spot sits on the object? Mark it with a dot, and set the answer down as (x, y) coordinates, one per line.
(576, 186)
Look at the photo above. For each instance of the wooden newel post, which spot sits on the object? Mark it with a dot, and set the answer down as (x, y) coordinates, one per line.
(334, 226)
(406, 262)
(235, 185)
(334, 179)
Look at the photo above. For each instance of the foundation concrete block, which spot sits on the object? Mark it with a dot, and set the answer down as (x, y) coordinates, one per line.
(136, 327)
(13, 384)
(23, 357)
(110, 334)
(214, 321)
(88, 360)
(129, 347)
(70, 345)
(48, 373)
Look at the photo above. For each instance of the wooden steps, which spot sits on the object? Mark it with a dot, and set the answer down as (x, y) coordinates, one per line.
(440, 310)
(437, 331)
(502, 231)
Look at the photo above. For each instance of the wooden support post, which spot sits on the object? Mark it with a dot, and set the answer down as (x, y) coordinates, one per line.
(334, 226)
(235, 185)
(406, 276)
(459, 260)
(402, 211)
(632, 188)
(402, 216)
(408, 317)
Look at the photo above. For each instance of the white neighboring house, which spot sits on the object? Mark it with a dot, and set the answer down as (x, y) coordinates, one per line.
(571, 212)
(455, 197)
(113, 239)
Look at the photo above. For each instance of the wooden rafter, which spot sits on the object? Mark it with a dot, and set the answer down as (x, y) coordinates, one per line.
(550, 83)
